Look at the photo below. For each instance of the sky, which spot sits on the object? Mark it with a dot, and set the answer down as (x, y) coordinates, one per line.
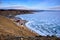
(32, 4)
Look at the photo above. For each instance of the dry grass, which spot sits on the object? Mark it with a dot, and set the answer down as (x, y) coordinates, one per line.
(8, 27)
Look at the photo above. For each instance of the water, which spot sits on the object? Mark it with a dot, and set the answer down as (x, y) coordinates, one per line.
(44, 23)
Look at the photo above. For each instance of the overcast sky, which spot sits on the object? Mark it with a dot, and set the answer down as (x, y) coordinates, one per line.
(33, 4)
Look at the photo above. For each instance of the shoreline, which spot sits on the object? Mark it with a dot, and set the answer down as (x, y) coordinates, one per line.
(24, 25)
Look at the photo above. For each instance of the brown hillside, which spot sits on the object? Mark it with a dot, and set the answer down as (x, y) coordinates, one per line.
(14, 12)
(8, 27)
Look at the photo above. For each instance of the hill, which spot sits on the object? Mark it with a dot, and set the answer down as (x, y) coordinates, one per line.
(8, 27)
(14, 12)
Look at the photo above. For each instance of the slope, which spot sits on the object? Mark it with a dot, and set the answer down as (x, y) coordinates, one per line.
(8, 27)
